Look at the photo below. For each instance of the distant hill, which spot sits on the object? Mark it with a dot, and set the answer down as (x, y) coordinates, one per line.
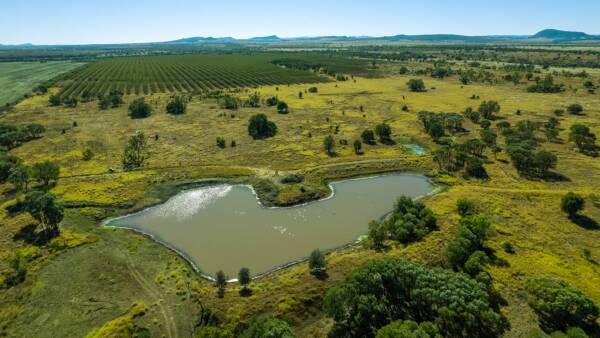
(558, 35)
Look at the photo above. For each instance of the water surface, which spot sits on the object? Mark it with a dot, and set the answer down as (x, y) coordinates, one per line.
(223, 227)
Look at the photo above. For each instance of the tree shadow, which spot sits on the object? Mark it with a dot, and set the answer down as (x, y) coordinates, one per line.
(320, 274)
(245, 292)
(388, 142)
(30, 235)
(15, 209)
(585, 222)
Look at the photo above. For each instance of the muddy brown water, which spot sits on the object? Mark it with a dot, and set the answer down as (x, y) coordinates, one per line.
(224, 227)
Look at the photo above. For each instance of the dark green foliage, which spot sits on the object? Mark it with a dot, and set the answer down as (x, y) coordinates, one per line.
(229, 102)
(313, 90)
(267, 326)
(472, 115)
(45, 173)
(441, 72)
(260, 127)
(71, 102)
(465, 207)
(368, 136)
(54, 100)
(221, 142)
(282, 107)
(244, 279)
(176, 106)
(378, 234)
(139, 109)
(559, 305)
(485, 124)
(409, 329)
(136, 152)
(357, 145)
(220, 283)
(583, 138)
(87, 154)
(384, 132)
(487, 109)
(272, 101)
(16, 273)
(328, 144)
(383, 291)
(575, 109)
(416, 85)
(45, 209)
(546, 85)
(476, 263)
(316, 263)
(488, 137)
(19, 176)
(253, 101)
(11, 136)
(292, 179)
(471, 235)
(436, 123)
(508, 247)
(572, 203)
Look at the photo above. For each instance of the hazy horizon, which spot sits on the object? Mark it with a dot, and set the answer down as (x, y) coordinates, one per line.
(107, 22)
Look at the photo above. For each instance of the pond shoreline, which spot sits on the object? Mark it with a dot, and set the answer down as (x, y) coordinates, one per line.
(246, 182)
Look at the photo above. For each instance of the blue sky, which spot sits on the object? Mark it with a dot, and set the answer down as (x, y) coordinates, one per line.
(118, 21)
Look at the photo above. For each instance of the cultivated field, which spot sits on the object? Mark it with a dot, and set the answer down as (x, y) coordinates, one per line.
(20, 78)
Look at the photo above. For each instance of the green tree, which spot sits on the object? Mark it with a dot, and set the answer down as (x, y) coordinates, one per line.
(384, 132)
(558, 305)
(45, 173)
(220, 283)
(328, 144)
(176, 106)
(416, 85)
(583, 138)
(244, 280)
(316, 263)
(465, 207)
(472, 233)
(45, 209)
(377, 234)
(136, 152)
(488, 137)
(282, 107)
(139, 109)
(267, 326)
(487, 109)
(575, 109)
(544, 161)
(572, 203)
(19, 177)
(368, 136)
(260, 127)
(54, 100)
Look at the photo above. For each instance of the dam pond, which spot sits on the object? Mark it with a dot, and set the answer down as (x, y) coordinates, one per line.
(224, 227)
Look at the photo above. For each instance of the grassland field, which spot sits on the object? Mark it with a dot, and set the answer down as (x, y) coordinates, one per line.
(94, 279)
(20, 78)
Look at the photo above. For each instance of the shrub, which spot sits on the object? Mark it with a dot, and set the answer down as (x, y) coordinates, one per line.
(139, 109)
(221, 142)
(176, 106)
(465, 207)
(409, 329)
(230, 102)
(559, 305)
(583, 138)
(575, 109)
(416, 85)
(313, 90)
(316, 263)
(328, 144)
(282, 107)
(384, 132)
(272, 101)
(54, 100)
(260, 127)
(136, 152)
(357, 147)
(87, 154)
(487, 109)
(292, 179)
(368, 136)
(268, 326)
(244, 279)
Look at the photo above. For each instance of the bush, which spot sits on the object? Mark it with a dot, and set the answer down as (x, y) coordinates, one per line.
(575, 109)
(409, 221)
(272, 101)
(87, 154)
(384, 132)
(221, 142)
(475, 168)
(316, 263)
(465, 207)
(572, 203)
(409, 329)
(292, 179)
(282, 107)
(54, 100)
(136, 152)
(362, 304)
(268, 327)
(176, 106)
(244, 279)
(487, 109)
(357, 147)
(230, 102)
(416, 85)
(368, 136)
(139, 109)
(583, 138)
(260, 127)
(313, 90)
(559, 305)
(328, 144)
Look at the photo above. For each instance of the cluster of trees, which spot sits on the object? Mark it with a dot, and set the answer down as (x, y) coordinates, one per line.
(521, 147)
(408, 222)
(259, 127)
(465, 252)
(11, 136)
(559, 306)
(383, 131)
(44, 173)
(113, 100)
(16, 272)
(362, 305)
(546, 85)
(436, 124)
(455, 157)
(585, 140)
